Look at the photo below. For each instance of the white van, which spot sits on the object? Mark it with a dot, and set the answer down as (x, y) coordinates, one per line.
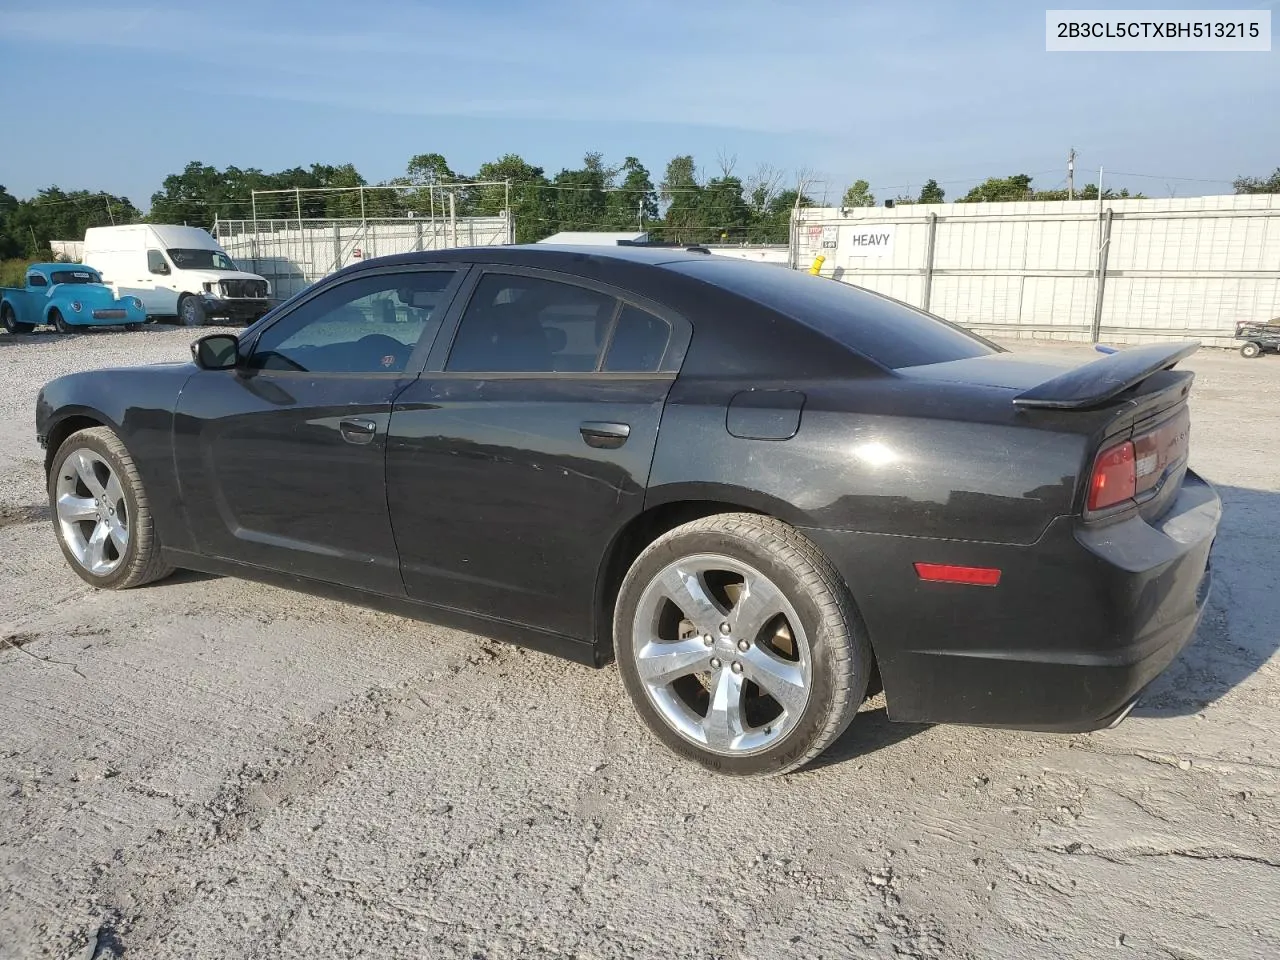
(175, 271)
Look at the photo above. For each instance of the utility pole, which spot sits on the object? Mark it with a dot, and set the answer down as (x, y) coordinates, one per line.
(640, 212)
(1071, 174)
(110, 215)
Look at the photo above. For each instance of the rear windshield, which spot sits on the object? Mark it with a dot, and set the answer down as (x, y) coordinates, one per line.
(887, 331)
(74, 276)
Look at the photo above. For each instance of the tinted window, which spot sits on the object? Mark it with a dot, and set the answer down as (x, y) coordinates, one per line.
(75, 276)
(36, 280)
(887, 331)
(639, 341)
(156, 262)
(530, 325)
(366, 325)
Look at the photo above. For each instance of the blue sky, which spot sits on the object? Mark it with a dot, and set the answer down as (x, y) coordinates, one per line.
(891, 92)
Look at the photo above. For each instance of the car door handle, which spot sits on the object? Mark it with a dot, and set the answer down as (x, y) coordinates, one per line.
(608, 436)
(357, 431)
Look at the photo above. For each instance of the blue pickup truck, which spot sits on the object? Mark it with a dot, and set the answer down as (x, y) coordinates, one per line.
(66, 296)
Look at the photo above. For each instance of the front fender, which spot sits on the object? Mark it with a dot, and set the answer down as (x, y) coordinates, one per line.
(137, 404)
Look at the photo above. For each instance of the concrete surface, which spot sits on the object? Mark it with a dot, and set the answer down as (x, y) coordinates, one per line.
(211, 768)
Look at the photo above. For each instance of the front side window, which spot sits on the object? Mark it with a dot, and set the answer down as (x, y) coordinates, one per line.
(530, 325)
(36, 280)
(185, 259)
(367, 325)
(156, 262)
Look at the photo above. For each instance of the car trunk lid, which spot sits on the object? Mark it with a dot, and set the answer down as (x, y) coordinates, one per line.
(1131, 403)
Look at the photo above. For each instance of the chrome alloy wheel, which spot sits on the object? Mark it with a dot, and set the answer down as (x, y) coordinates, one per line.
(93, 518)
(722, 654)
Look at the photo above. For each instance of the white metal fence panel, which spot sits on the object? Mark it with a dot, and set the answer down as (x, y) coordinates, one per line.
(1173, 268)
(293, 254)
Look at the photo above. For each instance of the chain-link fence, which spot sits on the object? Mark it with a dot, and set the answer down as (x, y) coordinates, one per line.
(293, 254)
(1128, 271)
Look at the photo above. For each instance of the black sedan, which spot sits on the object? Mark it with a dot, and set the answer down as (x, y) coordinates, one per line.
(761, 492)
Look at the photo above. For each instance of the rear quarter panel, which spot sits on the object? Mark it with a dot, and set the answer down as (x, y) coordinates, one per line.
(875, 455)
(26, 305)
(137, 403)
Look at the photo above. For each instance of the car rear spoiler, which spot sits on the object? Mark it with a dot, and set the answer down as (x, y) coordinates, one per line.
(1095, 383)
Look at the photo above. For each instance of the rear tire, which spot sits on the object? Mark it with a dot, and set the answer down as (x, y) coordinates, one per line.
(101, 515)
(59, 322)
(190, 311)
(779, 619)
(1250, 350)
(10, 321)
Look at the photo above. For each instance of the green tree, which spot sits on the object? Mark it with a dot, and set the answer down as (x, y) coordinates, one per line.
(55, 214)
(9, 244)
(1088, 192)
(773, 223)
(1269, 184)
(580, 200)
(722, 211)
(432, 172)
(1000, 189)
(198, 195)
(681, 198)
(531, 202)
(931, 192)
(634, 201)
(859, 195)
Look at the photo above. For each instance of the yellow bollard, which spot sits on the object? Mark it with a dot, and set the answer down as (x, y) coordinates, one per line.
(816, 269)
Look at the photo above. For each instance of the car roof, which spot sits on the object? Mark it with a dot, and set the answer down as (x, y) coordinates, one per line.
(548, 255)
(50, 267)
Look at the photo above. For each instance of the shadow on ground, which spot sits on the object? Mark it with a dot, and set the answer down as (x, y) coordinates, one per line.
(1240, 631)
(870, 731)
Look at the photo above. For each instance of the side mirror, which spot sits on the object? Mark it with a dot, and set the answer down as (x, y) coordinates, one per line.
(161, 268)
(218, 351)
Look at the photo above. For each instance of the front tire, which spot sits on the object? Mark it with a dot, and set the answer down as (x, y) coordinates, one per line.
(740, 645)
(101, 514)
(1250, 350)
(10, 321)
(191, 311)
(59, 321)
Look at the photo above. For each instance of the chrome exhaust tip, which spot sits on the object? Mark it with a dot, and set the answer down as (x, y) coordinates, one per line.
(1124, 712)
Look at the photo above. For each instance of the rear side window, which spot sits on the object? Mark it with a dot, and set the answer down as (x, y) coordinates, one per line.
(639, 342)
(36, 280)
(530, 325)
(886, 331)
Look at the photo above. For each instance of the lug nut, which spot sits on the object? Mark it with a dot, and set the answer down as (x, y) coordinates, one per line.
(737, 667)
(743, 646)
(708, 639)
(715, 663)
(725, 629)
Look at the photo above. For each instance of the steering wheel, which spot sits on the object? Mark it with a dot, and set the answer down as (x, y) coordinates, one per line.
(383, 352)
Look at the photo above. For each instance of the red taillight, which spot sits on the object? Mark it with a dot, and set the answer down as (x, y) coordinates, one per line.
(947, 573)
(1115, 478)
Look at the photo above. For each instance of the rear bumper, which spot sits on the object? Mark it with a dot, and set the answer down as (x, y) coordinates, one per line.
(1080, 623)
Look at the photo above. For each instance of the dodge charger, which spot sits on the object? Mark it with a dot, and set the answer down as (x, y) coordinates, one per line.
(761, 493)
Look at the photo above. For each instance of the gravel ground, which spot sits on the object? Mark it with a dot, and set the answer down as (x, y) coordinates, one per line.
(212, 768)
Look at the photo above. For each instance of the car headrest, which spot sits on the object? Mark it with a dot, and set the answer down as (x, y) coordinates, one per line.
(557, 339)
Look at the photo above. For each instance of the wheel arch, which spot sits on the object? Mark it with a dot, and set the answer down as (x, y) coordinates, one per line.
(665, 509)
(65, 426)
